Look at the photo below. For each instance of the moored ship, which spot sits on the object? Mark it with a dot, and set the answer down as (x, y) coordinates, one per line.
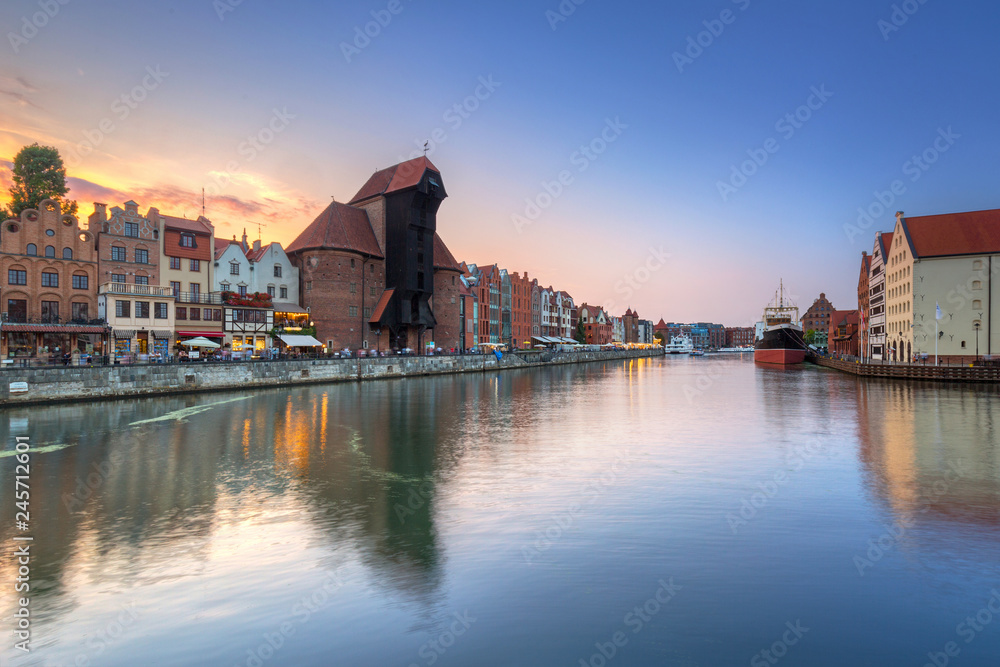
(782, 341)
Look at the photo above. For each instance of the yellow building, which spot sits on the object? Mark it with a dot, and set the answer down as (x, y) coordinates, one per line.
(945, 261)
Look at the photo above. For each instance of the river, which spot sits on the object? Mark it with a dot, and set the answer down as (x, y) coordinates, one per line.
(670, 511)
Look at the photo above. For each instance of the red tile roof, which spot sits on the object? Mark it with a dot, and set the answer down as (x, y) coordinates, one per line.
(380, 307)
(886, 244)
(443, 259)
(255, 255)
(221, 245)
(397, 177)
(340, 227)
(200, 226)
(973, 232)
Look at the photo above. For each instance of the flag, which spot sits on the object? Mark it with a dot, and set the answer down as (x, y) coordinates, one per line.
(938, 314)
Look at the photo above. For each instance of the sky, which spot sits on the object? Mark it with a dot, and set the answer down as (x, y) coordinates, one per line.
(678, 158)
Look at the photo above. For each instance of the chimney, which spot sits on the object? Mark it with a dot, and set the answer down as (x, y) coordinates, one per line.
(245, 246)
(101, 210)
(256, 245)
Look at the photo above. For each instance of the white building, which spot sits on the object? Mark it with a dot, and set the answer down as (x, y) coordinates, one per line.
(875, 317)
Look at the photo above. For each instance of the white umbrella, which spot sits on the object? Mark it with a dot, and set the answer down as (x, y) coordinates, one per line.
(200, 341)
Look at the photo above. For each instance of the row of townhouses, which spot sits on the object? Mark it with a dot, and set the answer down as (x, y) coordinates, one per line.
(371, 273)
(926, 286)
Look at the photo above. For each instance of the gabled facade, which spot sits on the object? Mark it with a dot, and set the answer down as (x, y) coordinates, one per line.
(49, 264)
(187, 254)
(875, 322)
(863, 301)
(948, 260)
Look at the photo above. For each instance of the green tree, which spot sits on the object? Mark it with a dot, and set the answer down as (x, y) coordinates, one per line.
(580, 335)
(39, 173)
(810, 337)
(660, 337)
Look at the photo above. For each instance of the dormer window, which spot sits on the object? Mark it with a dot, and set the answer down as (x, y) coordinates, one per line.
(187, 241)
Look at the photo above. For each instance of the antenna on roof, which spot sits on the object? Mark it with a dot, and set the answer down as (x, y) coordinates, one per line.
(203, 202)
(425, 147)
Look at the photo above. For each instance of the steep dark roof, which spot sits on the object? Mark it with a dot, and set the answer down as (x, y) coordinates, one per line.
(397, 177)
(340, 227)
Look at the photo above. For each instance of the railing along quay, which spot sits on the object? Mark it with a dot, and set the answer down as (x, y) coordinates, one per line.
(915, 371)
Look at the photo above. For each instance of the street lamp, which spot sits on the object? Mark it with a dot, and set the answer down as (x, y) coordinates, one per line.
(976, 327)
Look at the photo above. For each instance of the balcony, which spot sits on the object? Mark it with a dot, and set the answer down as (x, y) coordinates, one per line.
(211, 298)
(128, 289)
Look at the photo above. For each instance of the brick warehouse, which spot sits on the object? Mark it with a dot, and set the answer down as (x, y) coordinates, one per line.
(374, 273)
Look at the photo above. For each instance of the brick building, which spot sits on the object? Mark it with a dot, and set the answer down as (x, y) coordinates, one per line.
(521, 291)
(817, 319)
(842, 336)
(597, 326)
(739, 336)
(863, 300)
(50, 293)
(369, 269)
(630, 325)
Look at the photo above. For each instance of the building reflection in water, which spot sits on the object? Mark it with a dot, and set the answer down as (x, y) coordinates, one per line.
(121, 489)
(932, 455)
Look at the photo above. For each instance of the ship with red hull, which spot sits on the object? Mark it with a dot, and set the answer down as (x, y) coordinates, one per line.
(782, 342)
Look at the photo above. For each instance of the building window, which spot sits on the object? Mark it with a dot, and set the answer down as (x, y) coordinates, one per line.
(354, 288)
(309, 285)
(368, 313)
(371, 268)
(67, 253)
(181, 312)
(17, 310)
(217, 314)
(122, 308)
(142, 280)
(270, 291)
(224, 287)
(175, 287)
(234, 268)
(80, 311)
(207, 315)
(117, 253)
(284, 292)
(187, 241)
(371, 290)
(277, 270)
(32, 250)
(352, 311)
(50, 279)
(50, 251)
(977, 284)
(17, 277)
(81, 282)
(196, 313)
(141, 256)
(175, 263)
(142, 309)
(196, 265)
(117, 277)
(352, 262)
(160, 311)
(132, 229)
(195, 292)
(50, 312)
(243, 290)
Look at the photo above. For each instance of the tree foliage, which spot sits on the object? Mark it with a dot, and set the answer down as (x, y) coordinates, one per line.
(810, 337)
(580, 335)
(39, 173)
(660, 336)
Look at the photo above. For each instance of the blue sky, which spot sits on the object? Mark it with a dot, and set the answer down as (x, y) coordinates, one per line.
(553, 86)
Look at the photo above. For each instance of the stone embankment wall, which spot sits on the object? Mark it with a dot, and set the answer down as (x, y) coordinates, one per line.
(913, 371)
(61, 383)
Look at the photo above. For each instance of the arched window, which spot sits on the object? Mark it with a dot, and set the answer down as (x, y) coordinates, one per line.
(50, 251)
(32, 250)
(67, 253)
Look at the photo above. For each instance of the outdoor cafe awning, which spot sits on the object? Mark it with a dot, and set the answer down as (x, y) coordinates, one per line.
(286, 307)
(299, 341)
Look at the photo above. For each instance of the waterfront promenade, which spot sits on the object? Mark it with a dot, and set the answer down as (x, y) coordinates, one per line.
(65, 383)
(910, 371)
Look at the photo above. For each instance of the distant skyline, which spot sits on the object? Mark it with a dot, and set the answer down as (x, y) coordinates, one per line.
(677, 158)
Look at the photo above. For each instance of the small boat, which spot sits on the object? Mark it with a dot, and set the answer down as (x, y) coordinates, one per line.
(697, 353)
(678, 345)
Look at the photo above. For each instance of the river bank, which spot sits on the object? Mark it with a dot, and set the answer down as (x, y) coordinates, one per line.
(24, 386)
(911, 371)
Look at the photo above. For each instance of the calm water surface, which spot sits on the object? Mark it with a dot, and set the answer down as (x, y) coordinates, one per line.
(678, 511)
